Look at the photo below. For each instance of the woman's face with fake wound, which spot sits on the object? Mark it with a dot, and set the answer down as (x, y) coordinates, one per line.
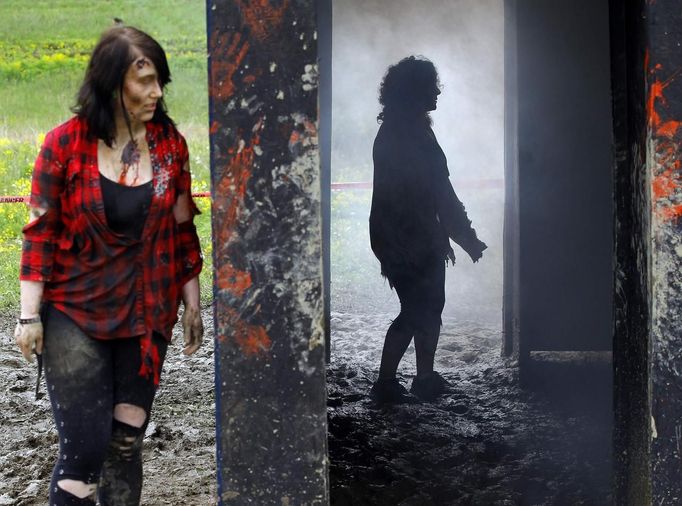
(141, 90)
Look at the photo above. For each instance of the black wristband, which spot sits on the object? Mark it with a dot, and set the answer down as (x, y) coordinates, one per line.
(28, 321)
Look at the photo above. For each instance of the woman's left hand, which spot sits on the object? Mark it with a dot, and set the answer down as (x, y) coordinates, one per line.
(192, 328)
(29, 338)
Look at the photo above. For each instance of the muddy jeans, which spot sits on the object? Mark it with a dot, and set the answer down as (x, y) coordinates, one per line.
(85, 379)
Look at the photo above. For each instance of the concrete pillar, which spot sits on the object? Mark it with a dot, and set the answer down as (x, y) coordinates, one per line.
(559, 213)
(664, 119)
(647, 91)
(632, 209)
(267, 236)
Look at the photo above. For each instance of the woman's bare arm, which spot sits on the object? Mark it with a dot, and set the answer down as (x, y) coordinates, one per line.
(193, 327)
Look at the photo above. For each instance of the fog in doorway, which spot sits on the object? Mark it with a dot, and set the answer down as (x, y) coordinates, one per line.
(464, 39)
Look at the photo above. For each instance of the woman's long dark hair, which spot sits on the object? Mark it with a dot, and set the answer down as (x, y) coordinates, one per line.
(116, 50)
(404, 87)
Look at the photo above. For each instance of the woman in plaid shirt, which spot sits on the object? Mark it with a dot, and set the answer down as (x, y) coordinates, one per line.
(108, 254)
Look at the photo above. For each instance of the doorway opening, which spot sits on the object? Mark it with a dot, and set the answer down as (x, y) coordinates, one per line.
(488, 439)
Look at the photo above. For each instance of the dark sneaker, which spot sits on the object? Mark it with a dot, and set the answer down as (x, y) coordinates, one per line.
(429, 386)
(389, 391)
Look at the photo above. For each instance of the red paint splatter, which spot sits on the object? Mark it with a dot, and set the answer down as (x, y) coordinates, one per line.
(233, 185)
(665, 185)
(214, 127)
(668, 129)
(227, 55)
(251, 339)
(656, 96)
(233, 280)
(671, 212)
(304, 135)
(655, 93)
(261, 17)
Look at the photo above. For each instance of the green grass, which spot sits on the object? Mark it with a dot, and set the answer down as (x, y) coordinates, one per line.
(86, 19)
(35, 106)
(44, 47)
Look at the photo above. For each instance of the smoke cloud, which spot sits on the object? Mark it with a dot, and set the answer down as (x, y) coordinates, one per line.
(464, 39)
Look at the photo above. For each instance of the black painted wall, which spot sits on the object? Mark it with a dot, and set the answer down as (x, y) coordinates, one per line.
(565, 209)
(631, 281)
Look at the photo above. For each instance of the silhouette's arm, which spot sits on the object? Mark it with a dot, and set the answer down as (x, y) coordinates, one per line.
(454, 219)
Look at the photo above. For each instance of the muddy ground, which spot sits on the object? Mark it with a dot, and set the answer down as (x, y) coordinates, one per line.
(487, 442)
(179, 450)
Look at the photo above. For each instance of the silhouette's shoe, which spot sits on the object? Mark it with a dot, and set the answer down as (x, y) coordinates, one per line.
(429, 386)
(390, 391)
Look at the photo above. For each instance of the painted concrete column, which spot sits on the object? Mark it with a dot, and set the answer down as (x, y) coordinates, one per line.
(647, 91)
(663, 63)
(267, 233)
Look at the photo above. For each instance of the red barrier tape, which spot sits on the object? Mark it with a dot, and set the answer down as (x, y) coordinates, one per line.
(9, 199)
(13, 200)
(480, 184)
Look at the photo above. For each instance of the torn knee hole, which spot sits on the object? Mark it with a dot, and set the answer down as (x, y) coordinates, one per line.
(126, 440)
(130, 414)
(124, 443)
(78, 488)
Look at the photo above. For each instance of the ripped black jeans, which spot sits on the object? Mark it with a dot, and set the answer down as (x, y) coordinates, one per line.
(85, 379)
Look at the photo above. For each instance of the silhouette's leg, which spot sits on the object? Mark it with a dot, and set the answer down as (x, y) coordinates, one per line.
(397, 340)
(432, 300)
(425, 344)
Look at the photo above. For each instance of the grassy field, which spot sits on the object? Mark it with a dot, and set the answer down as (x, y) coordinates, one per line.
(44, 48)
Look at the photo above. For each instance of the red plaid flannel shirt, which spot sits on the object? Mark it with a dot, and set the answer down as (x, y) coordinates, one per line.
(111, 285)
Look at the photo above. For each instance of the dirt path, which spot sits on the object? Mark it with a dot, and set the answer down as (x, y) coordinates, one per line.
(488, 442)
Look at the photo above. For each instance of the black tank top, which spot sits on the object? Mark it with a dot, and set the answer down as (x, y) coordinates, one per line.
(126, 207)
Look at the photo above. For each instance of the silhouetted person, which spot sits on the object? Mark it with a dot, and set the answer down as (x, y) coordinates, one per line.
(414, 211)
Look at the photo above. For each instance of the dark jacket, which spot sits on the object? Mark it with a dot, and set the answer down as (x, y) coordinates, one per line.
(414, 207)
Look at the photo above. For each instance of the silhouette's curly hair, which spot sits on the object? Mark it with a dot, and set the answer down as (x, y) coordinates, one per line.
(404, 85)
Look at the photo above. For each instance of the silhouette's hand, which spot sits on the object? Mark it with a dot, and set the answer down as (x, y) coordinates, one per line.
(476, 252)
(193, 329)
(451, 256)
(29, 338)
(473, 246)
